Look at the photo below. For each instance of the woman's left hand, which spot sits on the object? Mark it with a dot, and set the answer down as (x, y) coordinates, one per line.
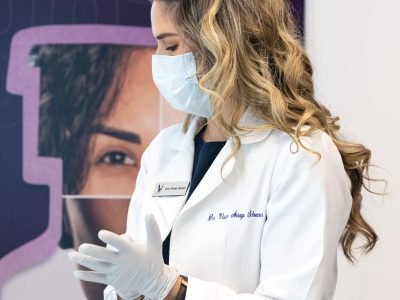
(132, 268)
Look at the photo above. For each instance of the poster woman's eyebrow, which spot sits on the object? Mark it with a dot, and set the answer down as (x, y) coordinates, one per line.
(117, 133)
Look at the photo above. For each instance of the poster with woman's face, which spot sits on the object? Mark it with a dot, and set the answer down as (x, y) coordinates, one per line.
(99, 110)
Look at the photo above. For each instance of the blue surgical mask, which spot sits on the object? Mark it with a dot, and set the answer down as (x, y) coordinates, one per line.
(175, 77)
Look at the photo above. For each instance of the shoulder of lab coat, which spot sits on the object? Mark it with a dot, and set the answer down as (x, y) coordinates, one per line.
(307, 211)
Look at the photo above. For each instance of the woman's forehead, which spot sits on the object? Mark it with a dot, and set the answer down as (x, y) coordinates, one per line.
(161, 19)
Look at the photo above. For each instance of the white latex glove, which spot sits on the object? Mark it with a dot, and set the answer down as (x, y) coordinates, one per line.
(134, 268)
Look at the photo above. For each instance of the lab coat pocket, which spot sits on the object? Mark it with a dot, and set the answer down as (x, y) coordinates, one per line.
(243, 243)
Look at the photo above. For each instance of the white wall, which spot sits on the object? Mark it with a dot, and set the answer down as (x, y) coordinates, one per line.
(355, 48)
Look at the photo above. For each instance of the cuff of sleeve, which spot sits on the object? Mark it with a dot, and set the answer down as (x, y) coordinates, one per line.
(111, 294)
(198, 289)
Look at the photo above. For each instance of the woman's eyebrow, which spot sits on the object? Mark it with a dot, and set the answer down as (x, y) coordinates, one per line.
(164, 35)
(118, 133)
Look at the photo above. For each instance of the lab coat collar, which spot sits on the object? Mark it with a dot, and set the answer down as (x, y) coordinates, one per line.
(180, 139)
(179, 169)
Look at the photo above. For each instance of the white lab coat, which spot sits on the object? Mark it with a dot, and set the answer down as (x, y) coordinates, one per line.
(269, 231)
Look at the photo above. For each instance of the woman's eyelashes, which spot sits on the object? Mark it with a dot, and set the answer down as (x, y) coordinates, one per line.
(172, 48)
(117, 158)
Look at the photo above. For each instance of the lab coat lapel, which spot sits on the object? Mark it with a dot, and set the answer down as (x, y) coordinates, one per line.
(212, 179)
(178, 169)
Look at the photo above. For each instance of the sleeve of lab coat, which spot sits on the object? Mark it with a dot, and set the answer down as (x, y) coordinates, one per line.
(109, 293)
(307, 211)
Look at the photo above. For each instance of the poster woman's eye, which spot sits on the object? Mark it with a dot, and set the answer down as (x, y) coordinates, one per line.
(117, 158)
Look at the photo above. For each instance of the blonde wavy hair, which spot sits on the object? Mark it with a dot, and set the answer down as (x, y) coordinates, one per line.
(251, 52)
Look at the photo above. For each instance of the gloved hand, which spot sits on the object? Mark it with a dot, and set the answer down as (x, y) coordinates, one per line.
(134, 268)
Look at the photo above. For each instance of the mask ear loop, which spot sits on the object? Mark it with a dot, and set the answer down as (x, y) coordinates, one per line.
(187, 58)
(205, 120)
(190, 56)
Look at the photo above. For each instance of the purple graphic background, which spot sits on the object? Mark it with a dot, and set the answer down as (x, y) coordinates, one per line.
(30, 188)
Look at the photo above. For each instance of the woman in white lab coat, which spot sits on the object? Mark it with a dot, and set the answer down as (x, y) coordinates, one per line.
(249, 197)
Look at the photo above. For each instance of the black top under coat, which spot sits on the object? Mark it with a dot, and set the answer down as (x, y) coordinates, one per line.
(204, 155)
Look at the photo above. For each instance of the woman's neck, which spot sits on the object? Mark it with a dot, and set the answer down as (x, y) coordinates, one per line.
(213, 133)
